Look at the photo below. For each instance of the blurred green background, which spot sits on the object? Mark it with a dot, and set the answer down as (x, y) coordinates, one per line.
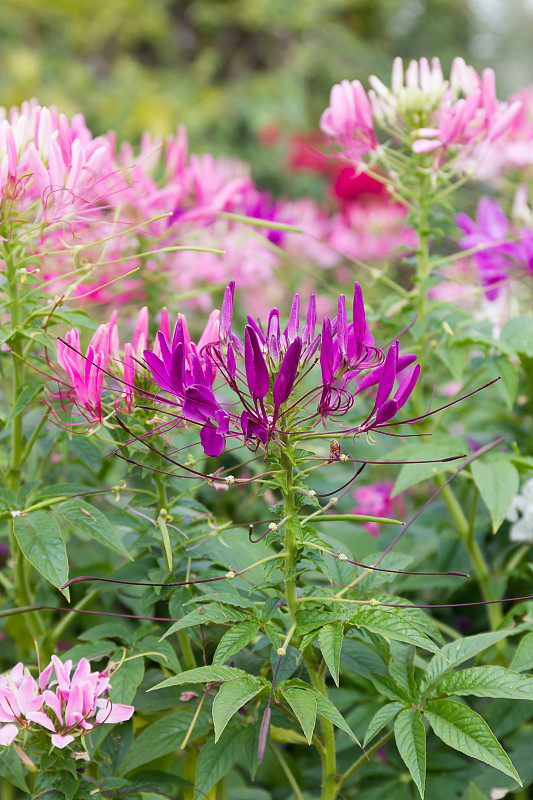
(238, 72)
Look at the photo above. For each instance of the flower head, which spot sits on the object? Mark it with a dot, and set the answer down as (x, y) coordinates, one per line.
(62, 703)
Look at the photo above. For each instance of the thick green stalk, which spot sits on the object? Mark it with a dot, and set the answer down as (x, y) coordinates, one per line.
(481, 570)
(329, 770)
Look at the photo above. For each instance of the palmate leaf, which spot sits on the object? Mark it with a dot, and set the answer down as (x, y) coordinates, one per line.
(464, 730)
(231, 696)
(490, 681)
(410, 738)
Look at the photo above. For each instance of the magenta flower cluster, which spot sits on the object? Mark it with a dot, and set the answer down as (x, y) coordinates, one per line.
(260, 397)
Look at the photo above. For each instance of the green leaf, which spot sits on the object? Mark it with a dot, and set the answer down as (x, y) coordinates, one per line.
(234, 640)
(215, 674)
(476, 794)
(87, 452)
(523, 658)
(508, 386)
(324, 706)
(90, 521)
(231, 696)
(303, 705)
(12, 770)
(327, 710)
(162, 737)
(125, 680)
(410, 738)
(330, 640)
(216, 760)
(464, 730)
(39, 539)
(380, 719)
(213, 612)
(392, 624)
(456, 653)
(25, 397)
(518, 332)
(488, 681)
(498, 484)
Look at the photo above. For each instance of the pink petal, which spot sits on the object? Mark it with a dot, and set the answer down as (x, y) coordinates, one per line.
(113, 712)
(61, 741)
(8, 734)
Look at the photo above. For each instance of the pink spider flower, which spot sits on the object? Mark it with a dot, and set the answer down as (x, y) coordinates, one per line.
(86, 373)
(66, 707)
(348, 119)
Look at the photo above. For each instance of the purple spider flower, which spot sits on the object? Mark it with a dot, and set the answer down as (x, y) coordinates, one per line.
(264, 371)
(492, 232)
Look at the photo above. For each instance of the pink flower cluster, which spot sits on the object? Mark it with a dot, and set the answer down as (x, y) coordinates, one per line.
(422, 111)
(87, 209)
(82, 378)
(64, 704)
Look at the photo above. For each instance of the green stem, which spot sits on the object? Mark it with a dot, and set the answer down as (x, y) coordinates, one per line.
(363, 759)
(186, 650)
(329, 770)
(465, 529)
(189, 771)
(287, 770)
(222, 792)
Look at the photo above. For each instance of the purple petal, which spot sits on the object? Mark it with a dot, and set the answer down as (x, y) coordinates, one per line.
(256, 369)
(164, 347)
(177, 370)
(359, 319)
(385, 412)
(342, 325)
(230, 362)
(179, 334)
(326, 352)
(287, 374)
(256, 327)
(273, 328)
(291, 330)
(226, 312)
(374, 376)
(308, 331)
(157, 370)
(406, 386)
(212, 441)
(388, 375)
